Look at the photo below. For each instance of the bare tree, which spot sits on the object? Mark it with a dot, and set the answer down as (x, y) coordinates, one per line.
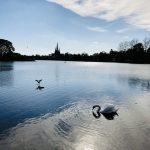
(132, 43)
(146, 43)
(123, 46)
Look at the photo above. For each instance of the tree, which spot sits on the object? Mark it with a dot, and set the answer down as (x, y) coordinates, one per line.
(138, 51)
(123, 46)
(138, 48)
(132, 43)
(146, 44)
(6, 47)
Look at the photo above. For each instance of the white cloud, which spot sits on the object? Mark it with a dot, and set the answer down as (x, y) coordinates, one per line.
(96, 29)
(135, 12)
(123, 30)
(95, 43)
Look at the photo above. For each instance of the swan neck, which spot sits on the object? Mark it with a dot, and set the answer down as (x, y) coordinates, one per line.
(99, 108)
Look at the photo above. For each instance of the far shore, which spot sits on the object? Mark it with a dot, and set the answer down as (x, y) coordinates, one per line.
(33, 60)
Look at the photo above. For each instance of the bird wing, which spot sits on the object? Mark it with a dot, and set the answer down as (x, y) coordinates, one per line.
(108, 108)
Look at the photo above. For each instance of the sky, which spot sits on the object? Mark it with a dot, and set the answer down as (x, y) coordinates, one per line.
(89, 26)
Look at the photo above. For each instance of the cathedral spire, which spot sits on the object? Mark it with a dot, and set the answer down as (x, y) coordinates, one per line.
(57, 50)
(57, 47)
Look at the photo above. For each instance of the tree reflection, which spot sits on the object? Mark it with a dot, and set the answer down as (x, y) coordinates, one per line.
(6, 66)
(6, 73)
(143, 83)
(135, 82)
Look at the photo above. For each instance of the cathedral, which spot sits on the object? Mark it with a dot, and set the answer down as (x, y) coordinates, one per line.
(57, 50)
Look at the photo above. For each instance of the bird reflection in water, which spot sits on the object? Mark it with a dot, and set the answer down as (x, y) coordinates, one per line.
(97, 115)
(110, 116)
(40, 87)
(109, 111)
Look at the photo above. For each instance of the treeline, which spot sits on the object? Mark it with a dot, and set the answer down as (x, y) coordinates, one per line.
(7, 52)
(128, 52)
(133, 51)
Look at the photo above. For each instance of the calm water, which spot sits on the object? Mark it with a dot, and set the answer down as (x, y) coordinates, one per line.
(59, 116)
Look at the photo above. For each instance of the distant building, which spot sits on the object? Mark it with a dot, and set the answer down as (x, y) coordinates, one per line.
(56, 55)
(57, 51)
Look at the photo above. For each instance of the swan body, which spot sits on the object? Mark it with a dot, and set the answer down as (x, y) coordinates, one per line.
(106, 109)
(109, 108)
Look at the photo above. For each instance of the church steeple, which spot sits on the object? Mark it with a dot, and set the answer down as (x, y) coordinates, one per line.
(57, 50)
(56, 47)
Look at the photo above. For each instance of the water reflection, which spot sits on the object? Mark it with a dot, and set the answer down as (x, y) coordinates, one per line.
(57, 71)
(74, 128)
(59, 117)
(63, 128)
(40, 87)
(6, 66)
(110, 116)
(97, 115)
(137, 82)
(6, 74)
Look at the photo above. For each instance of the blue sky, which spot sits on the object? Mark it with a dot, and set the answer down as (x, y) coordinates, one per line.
(35, 26)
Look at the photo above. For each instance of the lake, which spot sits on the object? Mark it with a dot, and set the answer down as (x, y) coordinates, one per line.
(59, 115)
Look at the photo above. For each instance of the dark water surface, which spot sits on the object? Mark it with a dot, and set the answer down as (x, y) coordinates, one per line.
(59, 116)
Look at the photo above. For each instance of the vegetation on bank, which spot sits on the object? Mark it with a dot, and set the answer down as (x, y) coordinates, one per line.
(7, 52)
(128, 52)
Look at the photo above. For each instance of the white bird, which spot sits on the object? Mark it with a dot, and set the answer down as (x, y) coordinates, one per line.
(106, 109)
(38, 81)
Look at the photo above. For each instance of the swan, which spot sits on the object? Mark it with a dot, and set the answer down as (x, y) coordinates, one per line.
(107, 109)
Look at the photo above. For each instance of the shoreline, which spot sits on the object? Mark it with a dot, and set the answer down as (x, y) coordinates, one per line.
(33, 60)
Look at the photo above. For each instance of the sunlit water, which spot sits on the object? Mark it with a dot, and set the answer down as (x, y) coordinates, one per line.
(59, 116)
